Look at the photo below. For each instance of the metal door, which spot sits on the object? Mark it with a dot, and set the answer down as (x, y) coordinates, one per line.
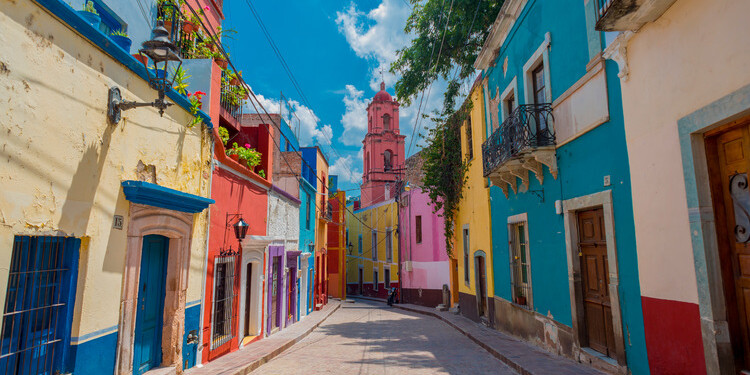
(149, 319)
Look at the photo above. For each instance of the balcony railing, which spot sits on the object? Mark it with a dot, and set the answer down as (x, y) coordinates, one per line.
(527, 128)
(328, 212)
(229, 98)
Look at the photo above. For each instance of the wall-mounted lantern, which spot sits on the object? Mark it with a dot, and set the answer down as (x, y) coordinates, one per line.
(240, 232)
(350, 247)
(161, 51)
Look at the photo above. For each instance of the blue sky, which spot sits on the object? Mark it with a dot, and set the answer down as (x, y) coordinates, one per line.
(335, 50)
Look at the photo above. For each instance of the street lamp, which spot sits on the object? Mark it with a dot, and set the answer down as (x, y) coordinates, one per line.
(161, 51)
(351, 248)
(240, 231)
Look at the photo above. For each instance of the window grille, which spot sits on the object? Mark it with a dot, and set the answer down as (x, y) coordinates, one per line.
(520, 267)
(418, 227)
(387, 278)
(375, 279)
(374, 248)
(223, 301)
(359, 244)
(38, 305)
(466, 255)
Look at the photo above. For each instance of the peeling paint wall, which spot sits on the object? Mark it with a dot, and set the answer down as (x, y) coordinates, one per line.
(63, 163)
(283, 220)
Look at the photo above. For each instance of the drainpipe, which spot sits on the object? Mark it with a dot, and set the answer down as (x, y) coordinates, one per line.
(199, 351)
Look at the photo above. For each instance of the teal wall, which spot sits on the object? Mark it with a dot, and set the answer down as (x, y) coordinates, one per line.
(582, 165)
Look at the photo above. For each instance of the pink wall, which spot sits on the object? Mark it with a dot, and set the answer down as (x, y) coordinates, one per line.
(429, 259)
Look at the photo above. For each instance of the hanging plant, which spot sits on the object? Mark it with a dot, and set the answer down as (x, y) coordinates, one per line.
(195, 106)
(445, 169)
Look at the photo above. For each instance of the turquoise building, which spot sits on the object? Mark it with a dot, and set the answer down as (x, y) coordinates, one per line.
(564, 255)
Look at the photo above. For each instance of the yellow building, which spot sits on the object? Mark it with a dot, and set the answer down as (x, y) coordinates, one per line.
(95, 201)
(471, 260)
(373, 262)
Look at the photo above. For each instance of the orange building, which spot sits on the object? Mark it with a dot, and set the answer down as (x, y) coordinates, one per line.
(337, 242)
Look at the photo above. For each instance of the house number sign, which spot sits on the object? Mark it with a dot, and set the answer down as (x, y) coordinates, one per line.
(738, 189)
(117, 223)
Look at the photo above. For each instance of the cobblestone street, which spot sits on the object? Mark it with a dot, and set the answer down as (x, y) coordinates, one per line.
(370, 338)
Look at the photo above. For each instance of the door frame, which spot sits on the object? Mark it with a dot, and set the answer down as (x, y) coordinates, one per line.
(163, 277)
(177, 226)
(717, 347)
(602, 199)
(481, 254)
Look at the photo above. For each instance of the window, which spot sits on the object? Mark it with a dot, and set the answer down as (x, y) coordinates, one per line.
(387, 156)
(223, 298)
(386, 122)
(359, 244)
(375, 279)
(418, 228)
(387, 278)
(469, 140)
(509, 104)
(540, 96)
(389, 245)
(466, 255)
(374, 247)
(520, 270)
(37, 317)
(307, 210)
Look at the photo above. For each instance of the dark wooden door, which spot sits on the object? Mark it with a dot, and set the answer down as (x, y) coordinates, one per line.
(360, 281)
(597, 307)
(248, 295)
(481, 285)
(728, 156)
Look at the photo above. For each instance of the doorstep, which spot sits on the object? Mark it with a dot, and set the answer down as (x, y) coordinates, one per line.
(521, 356)
(251, 356)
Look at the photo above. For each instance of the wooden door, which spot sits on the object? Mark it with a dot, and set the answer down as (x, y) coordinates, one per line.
(481, 282)
(597, 307)
(248, 295)
(275, 285)
(728, 155)
(148, 321)
(454, 281)
(360, 281)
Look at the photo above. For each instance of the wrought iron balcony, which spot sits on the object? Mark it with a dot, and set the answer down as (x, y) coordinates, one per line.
(524, 141)
(231, 100)
(624, 15)
(327, 213)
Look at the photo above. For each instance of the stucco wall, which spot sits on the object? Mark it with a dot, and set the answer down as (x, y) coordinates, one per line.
(378, 217)
(283, 219)
(64, 162)
(429, 257)
(675, 69)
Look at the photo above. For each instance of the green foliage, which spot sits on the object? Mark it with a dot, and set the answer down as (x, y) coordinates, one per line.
(223, 135)
(250, 155)
(262, 173)
(180, 80)
(417, 65)
(119, 33)
(445, 169)
(89, 7)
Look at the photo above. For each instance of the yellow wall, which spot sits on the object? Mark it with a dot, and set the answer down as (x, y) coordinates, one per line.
(62, 162)
(380, 217)
(669, 79)
(474, 208)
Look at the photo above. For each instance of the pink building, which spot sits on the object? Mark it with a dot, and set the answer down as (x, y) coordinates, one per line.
(383, 150)
(424, 261)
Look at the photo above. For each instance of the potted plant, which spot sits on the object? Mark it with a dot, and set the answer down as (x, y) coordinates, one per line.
(223, 135)
(249, 156)
(233, 152)
(220, 60)
(195, 105)
(121, 39)
(180, 79)
(90, 14)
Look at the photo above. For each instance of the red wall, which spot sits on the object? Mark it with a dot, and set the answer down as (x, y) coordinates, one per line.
(673, 337)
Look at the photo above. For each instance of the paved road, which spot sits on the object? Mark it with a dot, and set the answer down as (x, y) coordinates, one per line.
(370, 338)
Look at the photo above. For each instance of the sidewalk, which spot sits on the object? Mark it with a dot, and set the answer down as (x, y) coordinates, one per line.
(253, 355)
(523, 357)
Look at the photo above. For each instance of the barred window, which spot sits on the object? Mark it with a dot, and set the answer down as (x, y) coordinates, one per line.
(223, 298)
(374, 247)
(375, 279)
(389, 245)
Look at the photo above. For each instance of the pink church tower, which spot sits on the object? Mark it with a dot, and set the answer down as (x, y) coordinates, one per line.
(383, 150)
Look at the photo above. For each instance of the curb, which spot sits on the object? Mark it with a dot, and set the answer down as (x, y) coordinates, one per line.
(505, 359)
(252, 366)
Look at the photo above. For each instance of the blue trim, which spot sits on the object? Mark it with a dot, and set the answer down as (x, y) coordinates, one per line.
(71, 17)
(159, 196)
(80, 339)
(94, 357)
(193, 303)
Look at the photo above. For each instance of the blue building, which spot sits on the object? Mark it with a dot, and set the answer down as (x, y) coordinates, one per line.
(564, 254)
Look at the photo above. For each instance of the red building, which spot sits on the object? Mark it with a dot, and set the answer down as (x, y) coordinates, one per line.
(337, 244)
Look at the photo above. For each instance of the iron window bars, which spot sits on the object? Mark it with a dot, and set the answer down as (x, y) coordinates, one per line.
(38, 305)
(223, 301)
(520, 266)
(529, 126)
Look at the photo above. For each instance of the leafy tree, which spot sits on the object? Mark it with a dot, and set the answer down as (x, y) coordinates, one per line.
(422, 62)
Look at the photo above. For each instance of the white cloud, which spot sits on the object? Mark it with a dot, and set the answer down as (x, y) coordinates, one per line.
(344, 168)
(308, 121)
(324, 135)
(354, 120)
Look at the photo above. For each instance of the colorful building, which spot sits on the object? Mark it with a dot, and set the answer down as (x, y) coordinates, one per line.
(424, 259)
(118, 208)
(372, 267)
(564, 258)
(338, 241)
(686, 123)
(472, 260)
(315, 168)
